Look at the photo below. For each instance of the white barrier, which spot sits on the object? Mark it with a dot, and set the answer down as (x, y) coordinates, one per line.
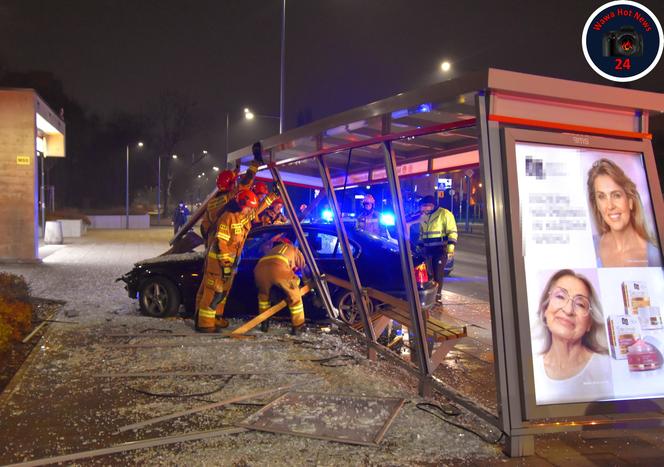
(72, 227)
(136, 221)
(53, 233)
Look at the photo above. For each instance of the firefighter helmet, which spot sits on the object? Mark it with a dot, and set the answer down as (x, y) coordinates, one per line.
(247, 198)
(278, 201)
(260, 188)
(369, 199)
(225, 180)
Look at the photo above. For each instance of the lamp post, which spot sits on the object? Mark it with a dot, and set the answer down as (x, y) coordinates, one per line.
(140, 145)
(174, 156)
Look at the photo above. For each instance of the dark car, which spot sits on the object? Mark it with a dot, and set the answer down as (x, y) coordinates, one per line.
(164, 283)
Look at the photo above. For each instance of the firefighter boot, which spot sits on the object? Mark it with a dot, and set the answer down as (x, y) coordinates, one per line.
(265, 325)
(205, 321)
(297, 317)
(220, 322)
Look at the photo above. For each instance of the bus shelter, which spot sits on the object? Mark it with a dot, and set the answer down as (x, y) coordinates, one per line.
(537, 141)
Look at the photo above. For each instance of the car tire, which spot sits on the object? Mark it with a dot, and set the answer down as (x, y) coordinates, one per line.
(349, 312)
(158, 297)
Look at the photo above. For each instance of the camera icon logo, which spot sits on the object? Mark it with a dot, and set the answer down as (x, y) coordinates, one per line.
(622, 41)
(625, 42)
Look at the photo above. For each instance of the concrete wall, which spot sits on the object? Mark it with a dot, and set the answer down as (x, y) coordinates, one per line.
(136, 221)
(18, 176)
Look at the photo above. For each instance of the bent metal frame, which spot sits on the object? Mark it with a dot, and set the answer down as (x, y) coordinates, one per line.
(455, 124)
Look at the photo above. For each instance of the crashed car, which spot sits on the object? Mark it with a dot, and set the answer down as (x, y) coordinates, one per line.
(163, 284)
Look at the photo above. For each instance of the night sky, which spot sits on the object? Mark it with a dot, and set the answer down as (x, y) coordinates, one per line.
(117, 55)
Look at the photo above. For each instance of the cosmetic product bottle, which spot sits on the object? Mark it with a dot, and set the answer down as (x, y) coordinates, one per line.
(642, 356)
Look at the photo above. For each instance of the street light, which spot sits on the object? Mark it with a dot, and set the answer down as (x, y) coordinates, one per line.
(249, 115)
(174, 156)
(140, 145)
(445, 66)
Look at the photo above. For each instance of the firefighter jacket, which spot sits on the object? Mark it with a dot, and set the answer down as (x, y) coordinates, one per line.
(438, 229)
(215, 206)
(287, 254)
(369, 222)
(231, 234)
(272, 217)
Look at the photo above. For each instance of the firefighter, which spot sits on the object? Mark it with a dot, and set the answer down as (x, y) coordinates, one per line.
(260, 189)
(273, 215)
(227, 189)
(437, 237)
(223, 257)
(277, 268)
(369, 220)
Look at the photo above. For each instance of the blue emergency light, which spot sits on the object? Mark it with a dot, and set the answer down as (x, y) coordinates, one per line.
(327, 215)
(387, 219)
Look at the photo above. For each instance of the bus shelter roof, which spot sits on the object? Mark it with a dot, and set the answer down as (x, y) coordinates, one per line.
(424, 125)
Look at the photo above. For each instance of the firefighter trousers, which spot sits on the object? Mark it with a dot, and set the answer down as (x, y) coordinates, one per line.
(270, 273)
(212, 295)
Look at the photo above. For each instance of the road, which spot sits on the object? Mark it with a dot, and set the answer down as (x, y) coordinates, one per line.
(470, 276)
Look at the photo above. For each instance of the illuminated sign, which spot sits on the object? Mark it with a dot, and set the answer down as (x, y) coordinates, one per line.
(593, 273)
(22, 160)
(456, 160)
(411, 168)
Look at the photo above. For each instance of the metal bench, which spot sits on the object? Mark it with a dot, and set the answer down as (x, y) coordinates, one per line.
(444, 336)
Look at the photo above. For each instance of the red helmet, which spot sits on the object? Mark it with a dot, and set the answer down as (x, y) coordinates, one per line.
(278, 201)
(247, 198)
(260, 188)
(226, 180)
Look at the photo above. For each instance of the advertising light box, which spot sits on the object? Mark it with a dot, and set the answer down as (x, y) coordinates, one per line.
(587, 246)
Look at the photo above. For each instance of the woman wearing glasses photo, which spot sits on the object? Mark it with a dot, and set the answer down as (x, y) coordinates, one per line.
(572, 364)
(624, 239)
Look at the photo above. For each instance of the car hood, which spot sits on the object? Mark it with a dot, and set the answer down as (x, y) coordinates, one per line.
(177, 258)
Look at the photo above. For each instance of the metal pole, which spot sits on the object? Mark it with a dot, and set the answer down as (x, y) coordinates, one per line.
(321, 285)
(351, 268)
(159, 191)
(407, 267)
(228, 126)
(127, 193)
(43, 199)
(467, 203)
(283, 68)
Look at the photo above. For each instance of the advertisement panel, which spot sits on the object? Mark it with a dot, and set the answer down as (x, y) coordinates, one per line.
(592, 265)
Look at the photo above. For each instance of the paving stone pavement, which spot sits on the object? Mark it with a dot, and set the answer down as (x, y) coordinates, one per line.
(82, 272)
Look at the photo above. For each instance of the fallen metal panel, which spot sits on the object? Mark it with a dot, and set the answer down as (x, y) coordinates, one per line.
(201, 408)
(341, 418)
(131, 446)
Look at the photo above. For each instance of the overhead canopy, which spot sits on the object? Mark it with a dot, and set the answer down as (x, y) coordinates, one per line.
(436, 125)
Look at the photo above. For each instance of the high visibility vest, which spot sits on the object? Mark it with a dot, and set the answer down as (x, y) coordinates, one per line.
(439, 229)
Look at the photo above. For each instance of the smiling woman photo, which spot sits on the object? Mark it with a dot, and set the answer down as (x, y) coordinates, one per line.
(573, 363)
(624, 239)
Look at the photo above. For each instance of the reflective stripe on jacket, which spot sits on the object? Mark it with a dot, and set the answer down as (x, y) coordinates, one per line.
(438, 228)
(289, 254)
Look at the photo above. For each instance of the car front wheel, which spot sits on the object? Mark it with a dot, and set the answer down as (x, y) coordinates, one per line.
(159, 297)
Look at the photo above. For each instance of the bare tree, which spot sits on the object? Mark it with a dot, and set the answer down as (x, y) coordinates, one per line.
(172, 119)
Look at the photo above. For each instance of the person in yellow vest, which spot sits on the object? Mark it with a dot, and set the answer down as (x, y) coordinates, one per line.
(438, 237)
(277, 268)
(223, 257)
